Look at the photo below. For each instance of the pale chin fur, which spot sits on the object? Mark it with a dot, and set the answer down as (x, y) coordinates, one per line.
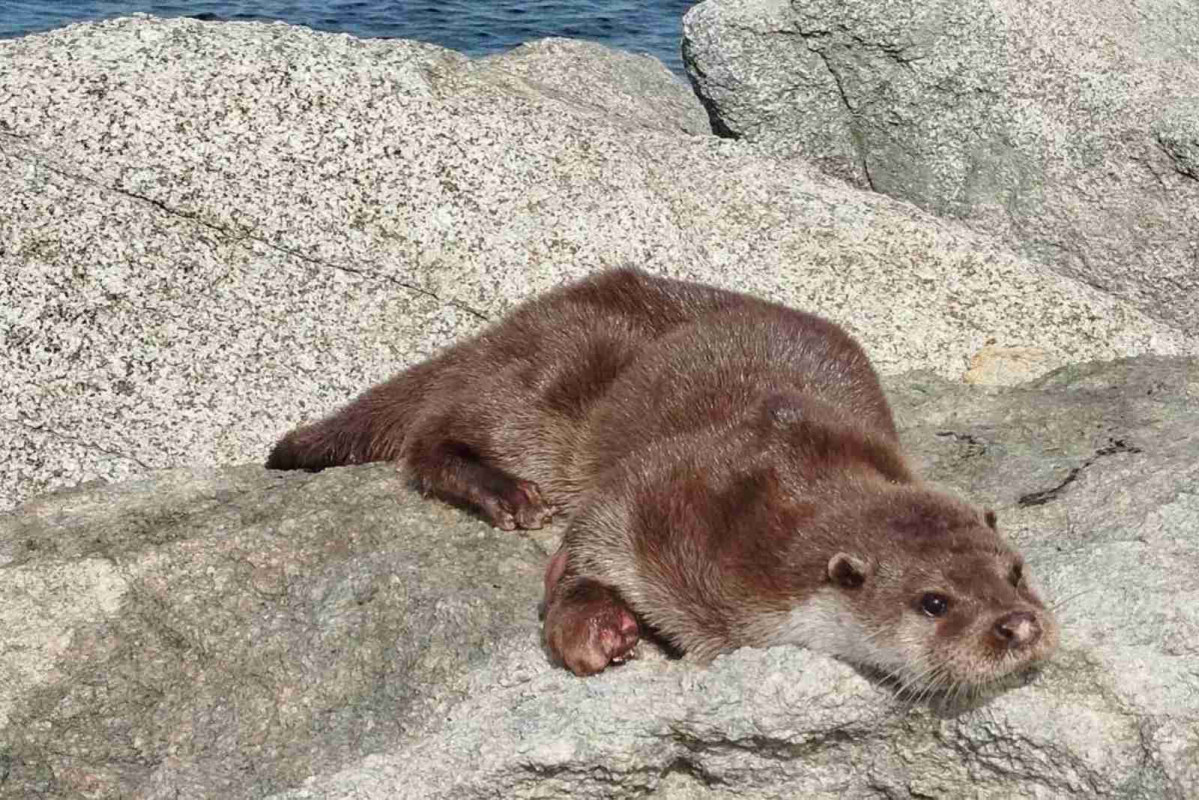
(823, 623)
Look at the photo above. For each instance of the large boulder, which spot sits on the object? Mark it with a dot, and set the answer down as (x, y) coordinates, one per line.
(1069, 129)
(241, 633)
(210, 232)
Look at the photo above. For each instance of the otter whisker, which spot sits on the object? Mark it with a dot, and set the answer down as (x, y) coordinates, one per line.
(1060, 604)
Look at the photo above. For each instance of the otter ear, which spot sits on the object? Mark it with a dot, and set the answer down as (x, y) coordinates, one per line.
(990, 518)
(848, 572)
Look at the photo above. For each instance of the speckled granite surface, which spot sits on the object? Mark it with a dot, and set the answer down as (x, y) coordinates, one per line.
(211, 232)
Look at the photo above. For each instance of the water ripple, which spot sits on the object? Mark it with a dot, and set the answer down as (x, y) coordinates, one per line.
(475, 27)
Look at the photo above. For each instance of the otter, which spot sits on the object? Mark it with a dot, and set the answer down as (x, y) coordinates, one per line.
(731, 476)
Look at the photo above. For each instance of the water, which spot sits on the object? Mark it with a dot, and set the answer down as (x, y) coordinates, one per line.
(474, 27)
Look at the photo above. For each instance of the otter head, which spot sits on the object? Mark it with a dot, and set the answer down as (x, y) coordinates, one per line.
(926, 591)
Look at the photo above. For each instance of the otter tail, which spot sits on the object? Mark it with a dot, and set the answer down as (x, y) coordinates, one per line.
(370, 428)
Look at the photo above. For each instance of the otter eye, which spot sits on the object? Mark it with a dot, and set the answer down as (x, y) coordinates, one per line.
(935, 605)
(1016, 574)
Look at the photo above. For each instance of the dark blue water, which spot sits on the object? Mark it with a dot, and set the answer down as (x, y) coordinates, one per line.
(475, 27)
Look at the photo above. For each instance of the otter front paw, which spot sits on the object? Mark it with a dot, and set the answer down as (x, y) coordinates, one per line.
(588, 626)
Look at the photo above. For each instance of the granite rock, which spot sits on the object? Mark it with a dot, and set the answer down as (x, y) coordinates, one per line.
(1068, 129)
(636, 88)
(241, 633)
(210, 232)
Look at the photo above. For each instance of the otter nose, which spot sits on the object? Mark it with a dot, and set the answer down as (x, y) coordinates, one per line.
(1018, 629)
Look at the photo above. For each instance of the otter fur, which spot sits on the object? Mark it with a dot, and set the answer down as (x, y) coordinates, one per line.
(731, 475)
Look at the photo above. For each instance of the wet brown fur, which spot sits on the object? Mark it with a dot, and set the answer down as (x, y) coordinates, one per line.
(732, 476)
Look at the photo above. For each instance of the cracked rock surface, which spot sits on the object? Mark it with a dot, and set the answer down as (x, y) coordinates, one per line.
(240, 633)
(210, 232)
(1069, 128)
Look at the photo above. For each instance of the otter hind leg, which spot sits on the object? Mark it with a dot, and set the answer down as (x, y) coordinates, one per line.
(587, 625)
(454, 471)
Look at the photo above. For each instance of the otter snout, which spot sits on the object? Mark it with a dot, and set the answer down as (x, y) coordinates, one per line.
(1018, 629)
